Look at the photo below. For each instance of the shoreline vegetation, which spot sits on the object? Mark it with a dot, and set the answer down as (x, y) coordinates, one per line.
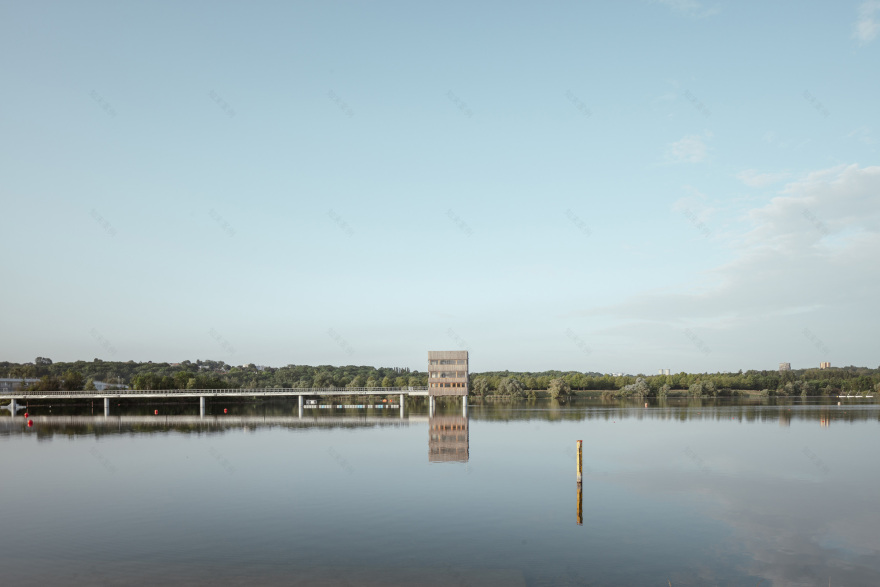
(83, 375)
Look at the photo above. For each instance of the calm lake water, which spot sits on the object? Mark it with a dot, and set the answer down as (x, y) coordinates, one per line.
(684, 493)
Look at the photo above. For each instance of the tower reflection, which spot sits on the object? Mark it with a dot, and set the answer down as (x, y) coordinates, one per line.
(448, 439)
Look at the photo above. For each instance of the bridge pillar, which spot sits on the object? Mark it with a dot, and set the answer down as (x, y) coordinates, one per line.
(401, 405)
(106, 406)
(430, 406)
(201, 406)
(13, 407)
(464, 406)
(300, 406)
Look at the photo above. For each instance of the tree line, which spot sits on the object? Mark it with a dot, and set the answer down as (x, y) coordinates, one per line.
(207, 374)
(805, 382)
(79, 375)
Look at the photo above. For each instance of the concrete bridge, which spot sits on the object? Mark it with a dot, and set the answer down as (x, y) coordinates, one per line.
(300, 392)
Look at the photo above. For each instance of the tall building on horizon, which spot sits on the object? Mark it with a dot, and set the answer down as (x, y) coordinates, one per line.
(447, 372)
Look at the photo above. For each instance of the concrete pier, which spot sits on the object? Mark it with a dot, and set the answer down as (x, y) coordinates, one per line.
(106, 407)
(431, 405)
(464, 406)
(401, 406)
(300, 406)
(202, 407)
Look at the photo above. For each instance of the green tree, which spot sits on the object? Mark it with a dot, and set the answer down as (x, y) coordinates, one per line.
(73, 380)
(323, 379)
(639, 388)
(47, 383)
(559, 388)
(181, 379)
(480, 386)
(512, 387)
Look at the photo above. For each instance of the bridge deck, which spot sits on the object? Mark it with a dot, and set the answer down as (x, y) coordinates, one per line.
(231, 421)
(237, 392)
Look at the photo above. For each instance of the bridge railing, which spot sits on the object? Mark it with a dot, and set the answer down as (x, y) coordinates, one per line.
(222, 391)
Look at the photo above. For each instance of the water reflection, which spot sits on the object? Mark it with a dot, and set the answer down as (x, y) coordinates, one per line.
(83, 418)
(689, 492)
(448, 439)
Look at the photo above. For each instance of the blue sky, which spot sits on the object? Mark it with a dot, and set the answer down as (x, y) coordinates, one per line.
(613, 187)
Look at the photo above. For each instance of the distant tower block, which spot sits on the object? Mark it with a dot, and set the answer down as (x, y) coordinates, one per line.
(785, 366)
(664, 372)
(447, 372)
(824, 365)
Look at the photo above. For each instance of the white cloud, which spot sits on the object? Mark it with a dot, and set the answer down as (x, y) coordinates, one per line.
(867, 26)
(690, 149)
(753, 179)
(691, 8)
(696, 210)
(807, 260)
(862, 134)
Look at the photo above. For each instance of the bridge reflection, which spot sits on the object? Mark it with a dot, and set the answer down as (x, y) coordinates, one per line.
(447, 438)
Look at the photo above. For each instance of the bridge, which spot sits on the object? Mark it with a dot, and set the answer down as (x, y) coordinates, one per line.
(299, 392)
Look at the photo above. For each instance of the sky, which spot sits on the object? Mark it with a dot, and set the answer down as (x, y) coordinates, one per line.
(611, 187)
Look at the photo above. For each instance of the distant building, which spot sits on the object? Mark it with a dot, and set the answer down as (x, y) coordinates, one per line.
(785, 366)
(448, 372)
(8, 384)
(103, 385)
(824, 365)
(664, 372)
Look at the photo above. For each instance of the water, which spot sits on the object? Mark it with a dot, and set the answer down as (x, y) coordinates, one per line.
(698, 493)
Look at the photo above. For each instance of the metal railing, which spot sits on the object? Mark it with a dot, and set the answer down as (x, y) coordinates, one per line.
(221, 391)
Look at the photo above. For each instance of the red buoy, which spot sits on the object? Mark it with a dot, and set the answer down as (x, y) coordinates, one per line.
(224, 410)
(30, 423)
(25, 414)
(155, 412)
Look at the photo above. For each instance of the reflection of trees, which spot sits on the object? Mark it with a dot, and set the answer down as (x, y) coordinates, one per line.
(679, 409)
(71, 420)
(179, 417)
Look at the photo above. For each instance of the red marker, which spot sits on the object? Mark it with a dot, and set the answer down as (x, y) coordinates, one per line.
(30, 423)
(224, 410)
(155, 412)
(25, 414)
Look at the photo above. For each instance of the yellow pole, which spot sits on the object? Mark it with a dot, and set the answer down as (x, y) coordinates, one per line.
(580, 459)
(580, 509)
